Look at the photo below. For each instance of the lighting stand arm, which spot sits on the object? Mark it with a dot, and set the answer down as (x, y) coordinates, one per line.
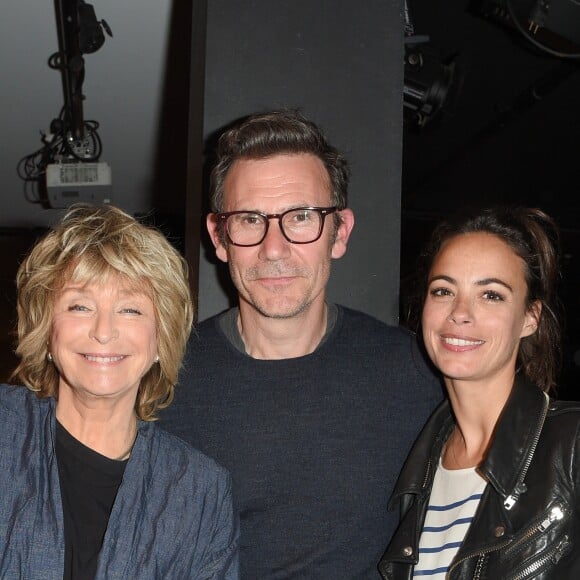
(72, 65)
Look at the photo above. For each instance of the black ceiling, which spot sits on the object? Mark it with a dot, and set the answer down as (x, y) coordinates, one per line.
(511, 128)
(508, 132)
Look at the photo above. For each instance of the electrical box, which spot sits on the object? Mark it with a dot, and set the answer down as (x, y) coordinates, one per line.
(70, 183)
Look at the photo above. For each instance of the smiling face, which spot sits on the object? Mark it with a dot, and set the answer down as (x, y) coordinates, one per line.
(279, 279)
(103, 339)
(474, 314)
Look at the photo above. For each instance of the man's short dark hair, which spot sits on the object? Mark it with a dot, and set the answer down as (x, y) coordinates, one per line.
(263, 135)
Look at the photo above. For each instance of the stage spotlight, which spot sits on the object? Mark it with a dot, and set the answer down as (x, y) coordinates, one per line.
(428, 83)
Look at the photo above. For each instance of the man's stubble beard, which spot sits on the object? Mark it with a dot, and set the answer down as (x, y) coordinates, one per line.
(290, 311)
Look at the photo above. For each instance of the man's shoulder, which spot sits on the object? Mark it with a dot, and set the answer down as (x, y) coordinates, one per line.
(367, 323)
(395, 347)
(207, 335)
(210, 324)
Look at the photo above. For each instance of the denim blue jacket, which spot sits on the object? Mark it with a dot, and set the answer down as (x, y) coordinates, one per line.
(172, 518)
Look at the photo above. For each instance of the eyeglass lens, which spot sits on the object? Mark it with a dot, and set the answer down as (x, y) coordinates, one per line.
(299, 226)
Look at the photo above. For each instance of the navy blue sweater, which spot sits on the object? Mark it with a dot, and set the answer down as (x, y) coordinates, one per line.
(314, 444)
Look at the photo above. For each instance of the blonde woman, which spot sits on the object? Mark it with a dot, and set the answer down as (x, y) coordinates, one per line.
(90, 486)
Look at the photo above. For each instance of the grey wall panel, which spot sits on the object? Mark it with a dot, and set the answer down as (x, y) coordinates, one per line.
(341, 63)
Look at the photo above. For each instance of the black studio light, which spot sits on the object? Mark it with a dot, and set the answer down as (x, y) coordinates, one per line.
(90, 30)
(430, 82)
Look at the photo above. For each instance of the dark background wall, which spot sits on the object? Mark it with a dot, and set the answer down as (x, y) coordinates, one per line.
(342, 65)
(508, 132)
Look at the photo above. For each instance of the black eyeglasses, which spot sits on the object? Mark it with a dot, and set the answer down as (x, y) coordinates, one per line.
(301, 225)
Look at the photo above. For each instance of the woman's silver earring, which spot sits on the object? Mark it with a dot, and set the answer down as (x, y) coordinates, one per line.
(156, 359)
(49, 357)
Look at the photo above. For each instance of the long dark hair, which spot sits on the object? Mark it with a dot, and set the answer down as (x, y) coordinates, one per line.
(534, 236)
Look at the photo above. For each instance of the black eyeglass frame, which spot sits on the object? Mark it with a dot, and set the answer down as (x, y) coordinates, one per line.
(322, 211)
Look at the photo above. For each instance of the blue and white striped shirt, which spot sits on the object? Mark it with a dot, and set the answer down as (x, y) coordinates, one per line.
(454, 499)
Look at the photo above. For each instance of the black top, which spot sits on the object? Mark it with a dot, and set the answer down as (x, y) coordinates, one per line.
(89, 483)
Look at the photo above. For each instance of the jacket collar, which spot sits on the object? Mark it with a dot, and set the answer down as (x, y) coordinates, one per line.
(419, 468)
(514, 439)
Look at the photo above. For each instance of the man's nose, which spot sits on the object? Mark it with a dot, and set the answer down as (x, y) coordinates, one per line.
(274, 246)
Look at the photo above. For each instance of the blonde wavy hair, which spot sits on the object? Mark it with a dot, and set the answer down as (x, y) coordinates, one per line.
(90, 244)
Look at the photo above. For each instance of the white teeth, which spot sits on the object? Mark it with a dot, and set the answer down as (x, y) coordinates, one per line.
(462, 342)
(103, 359)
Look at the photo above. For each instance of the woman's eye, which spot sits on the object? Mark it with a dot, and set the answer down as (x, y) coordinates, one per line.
(493, 296)
(131, 311)
(440, 292)
(77, 308)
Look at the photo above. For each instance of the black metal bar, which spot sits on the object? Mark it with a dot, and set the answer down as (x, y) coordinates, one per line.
(72, 65)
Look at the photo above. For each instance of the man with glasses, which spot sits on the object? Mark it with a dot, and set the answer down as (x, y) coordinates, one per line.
(310, 405)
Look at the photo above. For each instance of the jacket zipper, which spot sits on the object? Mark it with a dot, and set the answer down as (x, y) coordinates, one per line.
(428, 469)
(556, 514)
(480, 554)
(427, 474)
(521, 487)
(553, 555)
(478, 568)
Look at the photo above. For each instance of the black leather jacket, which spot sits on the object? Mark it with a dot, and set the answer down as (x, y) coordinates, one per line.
(527, 524)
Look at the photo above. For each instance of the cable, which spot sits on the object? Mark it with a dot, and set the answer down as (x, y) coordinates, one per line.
(58, 147)
(529, 37)
(71, 139)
